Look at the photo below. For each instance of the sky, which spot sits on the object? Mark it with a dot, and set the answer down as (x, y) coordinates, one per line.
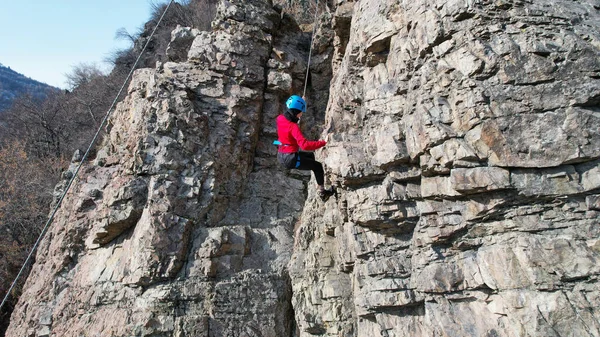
(45, 39)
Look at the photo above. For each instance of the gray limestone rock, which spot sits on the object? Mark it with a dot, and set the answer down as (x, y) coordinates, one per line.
(181, 41)
(463, 142)
(183, 225)
(496, 105)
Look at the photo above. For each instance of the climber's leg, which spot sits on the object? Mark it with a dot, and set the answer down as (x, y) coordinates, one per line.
(308, 162)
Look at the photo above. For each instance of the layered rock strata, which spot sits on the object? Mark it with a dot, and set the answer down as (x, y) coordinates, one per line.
(464, 141)
(183, 223)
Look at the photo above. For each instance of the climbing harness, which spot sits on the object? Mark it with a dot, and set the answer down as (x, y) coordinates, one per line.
(62, 197)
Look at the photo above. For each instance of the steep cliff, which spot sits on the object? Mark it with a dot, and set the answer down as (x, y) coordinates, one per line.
(464, 136)
(183, 223)
(464, 142)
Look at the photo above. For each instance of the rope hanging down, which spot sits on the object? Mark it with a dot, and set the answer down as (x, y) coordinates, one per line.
(62, 197)
(311, 47)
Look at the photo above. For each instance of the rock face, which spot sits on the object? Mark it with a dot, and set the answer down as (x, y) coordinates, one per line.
(464, 139)
(464, 142)
(183, 223)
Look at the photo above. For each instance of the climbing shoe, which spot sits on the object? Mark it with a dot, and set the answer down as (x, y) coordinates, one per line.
(326, 193)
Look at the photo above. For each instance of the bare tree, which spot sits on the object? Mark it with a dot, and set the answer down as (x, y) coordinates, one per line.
(26, 186)
(39, 124)
(123, 34)
(83, 73)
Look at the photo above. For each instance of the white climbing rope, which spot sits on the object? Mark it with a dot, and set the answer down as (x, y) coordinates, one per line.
(62, 197)
(311, 47)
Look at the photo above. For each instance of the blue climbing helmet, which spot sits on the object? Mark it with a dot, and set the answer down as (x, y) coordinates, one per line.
(296, 102)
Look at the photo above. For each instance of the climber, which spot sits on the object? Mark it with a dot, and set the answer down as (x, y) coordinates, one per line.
(291, 140)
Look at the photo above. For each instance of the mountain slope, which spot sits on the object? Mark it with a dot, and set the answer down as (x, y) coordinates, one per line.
(13, 84)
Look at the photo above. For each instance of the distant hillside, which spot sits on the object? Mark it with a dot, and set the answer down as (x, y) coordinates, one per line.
(13, 84)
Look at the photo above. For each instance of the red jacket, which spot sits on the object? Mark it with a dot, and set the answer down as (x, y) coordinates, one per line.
(292, 138)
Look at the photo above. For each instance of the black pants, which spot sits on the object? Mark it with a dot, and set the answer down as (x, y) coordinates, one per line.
(303, 161)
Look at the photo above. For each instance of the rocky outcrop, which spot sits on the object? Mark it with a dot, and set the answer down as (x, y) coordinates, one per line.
(463, 139)
(183, 223)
